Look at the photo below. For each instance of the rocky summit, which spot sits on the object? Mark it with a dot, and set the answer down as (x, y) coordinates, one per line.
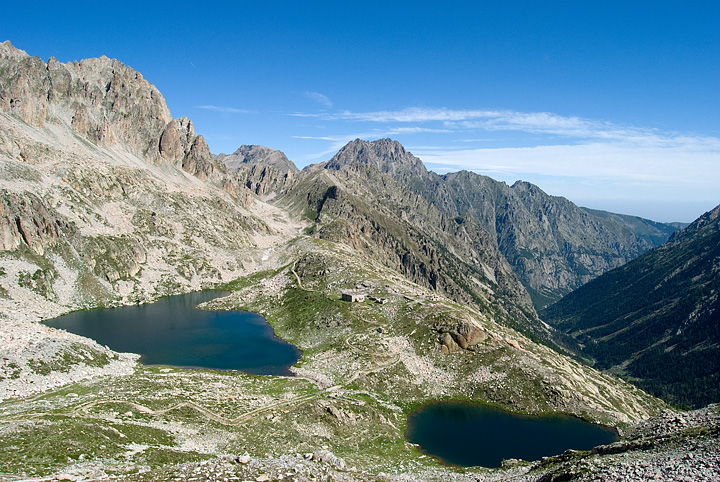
(401, 287)
(552, 245)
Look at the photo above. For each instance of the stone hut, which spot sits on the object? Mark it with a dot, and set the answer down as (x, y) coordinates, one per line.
(353, 296)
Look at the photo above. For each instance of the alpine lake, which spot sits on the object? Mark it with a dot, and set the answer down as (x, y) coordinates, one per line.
(469, 434)
(173, 331)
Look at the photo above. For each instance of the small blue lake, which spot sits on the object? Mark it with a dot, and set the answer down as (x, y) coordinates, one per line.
(471, 434)
(172, 331)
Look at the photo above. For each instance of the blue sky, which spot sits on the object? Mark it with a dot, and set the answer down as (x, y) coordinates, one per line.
(614, 105)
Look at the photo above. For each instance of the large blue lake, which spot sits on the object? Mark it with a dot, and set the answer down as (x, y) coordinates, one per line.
(172, 331)
(470, 434)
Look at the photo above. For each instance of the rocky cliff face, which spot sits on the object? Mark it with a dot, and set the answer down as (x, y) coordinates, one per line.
(552, 245)
(655, 319)
(362, 206)
(260, 169)
(105, 197)
(26, 220)
(102, 99)
(105, 102)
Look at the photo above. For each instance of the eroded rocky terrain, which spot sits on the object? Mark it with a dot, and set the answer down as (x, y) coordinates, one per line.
(108, 200)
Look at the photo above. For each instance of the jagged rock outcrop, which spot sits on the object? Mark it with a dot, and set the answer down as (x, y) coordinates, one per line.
(459, 333)
(656, 318)
(176, 139)
(262, 170)
(179, 145)
(107, 103)
(552, 245)
(25, 220)
(102, 99)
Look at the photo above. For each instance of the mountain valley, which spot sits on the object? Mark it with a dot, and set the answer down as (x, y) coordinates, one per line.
(107, 200)
(655, 320)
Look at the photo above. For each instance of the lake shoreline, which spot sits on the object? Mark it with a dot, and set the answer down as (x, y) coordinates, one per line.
(175, 331)
(463, 433)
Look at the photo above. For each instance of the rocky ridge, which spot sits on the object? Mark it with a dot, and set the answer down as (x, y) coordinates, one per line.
(264, 171)
(90, 217)
(552, 245)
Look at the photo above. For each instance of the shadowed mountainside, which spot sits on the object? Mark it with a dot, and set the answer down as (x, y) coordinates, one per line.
(656, 318)
(105, 199)
(552, 245)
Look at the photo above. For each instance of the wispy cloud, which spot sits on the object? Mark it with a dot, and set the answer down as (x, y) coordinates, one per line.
(468, 120)
(548, 125)
(416, 114)
(230, 110)
(579, 157)
(415, 130)
(601, 161)
(554, 145)
(319, 98)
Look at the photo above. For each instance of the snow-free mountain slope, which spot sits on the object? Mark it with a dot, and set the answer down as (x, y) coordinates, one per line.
(657, 318)
(552, 245)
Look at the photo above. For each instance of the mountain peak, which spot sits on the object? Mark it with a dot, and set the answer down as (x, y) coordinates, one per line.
(385, 155)
(250, 155)
(101, 99)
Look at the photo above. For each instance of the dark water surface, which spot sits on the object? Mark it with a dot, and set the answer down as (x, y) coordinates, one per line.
(469, 434)
(172, 331)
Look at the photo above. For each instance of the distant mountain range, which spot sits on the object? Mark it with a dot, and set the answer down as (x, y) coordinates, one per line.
(106, 200)
(552, 245)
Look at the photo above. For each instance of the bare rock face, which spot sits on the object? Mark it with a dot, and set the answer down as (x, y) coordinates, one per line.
(111, 105)
(252, 155)
(260, 169)
(459, 334)
(199, 162)
(264, 179)
(102, 99)
(114, 259)
(24, 78)
(385, 155)
(26, 220)
(179, 145)
(176, 139)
